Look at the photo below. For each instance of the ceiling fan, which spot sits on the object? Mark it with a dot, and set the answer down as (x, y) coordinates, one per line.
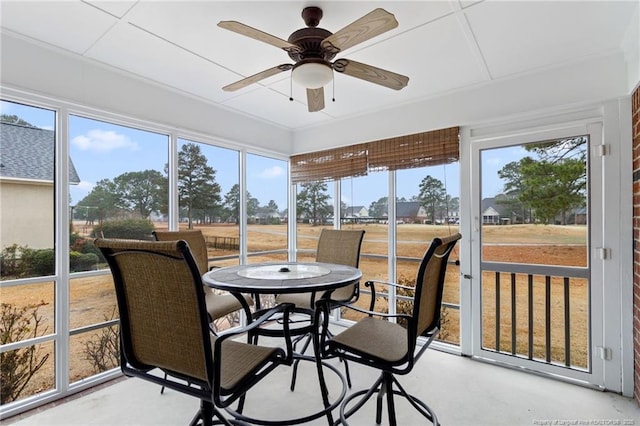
(313, 48)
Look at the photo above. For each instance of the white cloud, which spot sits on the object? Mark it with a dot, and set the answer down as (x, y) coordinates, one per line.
(271, 172)
(100, 140)
(85, 186)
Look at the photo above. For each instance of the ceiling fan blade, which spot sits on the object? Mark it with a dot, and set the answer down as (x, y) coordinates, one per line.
(256, 34)
(370, 73)
(370, 25)
(256, 77)
(315, 99)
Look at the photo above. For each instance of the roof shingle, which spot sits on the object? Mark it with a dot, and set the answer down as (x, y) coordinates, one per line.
(28, 153)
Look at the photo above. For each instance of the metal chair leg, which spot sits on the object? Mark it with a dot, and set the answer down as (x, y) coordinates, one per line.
(384, 387)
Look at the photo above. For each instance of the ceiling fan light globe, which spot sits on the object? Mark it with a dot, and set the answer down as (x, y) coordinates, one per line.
(312, 75)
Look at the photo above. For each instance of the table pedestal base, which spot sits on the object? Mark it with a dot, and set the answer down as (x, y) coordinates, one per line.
(324, 412)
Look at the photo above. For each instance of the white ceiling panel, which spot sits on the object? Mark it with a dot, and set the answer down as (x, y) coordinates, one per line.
(73, 26)
(116, 8)
(143, 54)
(443, 46)
(519, 36)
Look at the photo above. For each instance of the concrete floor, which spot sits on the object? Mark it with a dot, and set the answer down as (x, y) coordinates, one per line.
(461, 392)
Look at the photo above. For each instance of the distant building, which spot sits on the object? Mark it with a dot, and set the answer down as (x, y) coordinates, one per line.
(26, 186)
(490, 216)
(356, 211)
(410, 212)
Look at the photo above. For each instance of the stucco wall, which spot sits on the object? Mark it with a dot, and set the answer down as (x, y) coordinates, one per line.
(27, 214)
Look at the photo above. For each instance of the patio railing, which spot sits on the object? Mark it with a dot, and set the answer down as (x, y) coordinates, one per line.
(537, 311)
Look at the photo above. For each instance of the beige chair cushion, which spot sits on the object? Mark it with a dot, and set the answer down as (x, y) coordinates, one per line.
(239, 361)
(220, 305)
(375, 337)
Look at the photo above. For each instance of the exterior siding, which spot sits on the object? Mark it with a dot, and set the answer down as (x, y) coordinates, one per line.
(27, 214)
(635, 120)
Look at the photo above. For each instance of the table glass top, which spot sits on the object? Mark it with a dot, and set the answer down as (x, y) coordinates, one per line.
(284, 272)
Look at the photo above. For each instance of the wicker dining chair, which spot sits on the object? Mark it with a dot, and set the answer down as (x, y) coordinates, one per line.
(164, 325)
(334, 246)
(388, 346)
(218, 305)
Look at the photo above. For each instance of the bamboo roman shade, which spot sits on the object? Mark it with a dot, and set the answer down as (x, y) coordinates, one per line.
(402, 152)
(331, 164)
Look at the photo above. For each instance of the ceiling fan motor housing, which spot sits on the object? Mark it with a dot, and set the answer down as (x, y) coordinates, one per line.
(309, 39)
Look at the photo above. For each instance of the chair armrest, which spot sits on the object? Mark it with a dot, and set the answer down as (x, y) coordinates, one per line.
(320, 305)
(284, 308)
(371, 284)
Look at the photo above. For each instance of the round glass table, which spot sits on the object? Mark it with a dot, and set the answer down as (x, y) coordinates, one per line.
(281, 278)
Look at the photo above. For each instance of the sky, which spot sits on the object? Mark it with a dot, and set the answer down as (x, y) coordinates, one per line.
(102, 150)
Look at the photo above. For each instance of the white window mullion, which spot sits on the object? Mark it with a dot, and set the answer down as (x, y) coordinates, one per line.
(62, 280)
(174, 198)
(242, 208)
(392, 242)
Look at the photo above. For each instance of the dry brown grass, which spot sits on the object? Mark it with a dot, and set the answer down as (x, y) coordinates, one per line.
(92, 299)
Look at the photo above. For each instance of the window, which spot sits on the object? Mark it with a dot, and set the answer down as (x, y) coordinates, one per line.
(118, 189)
(267, 213)
(209, 197)
(28, 269)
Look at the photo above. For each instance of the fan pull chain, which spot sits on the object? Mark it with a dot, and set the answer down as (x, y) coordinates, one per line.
(291, 87)
(333, 96)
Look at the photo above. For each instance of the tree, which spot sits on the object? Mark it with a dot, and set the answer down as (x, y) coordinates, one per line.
(197, 187)
(99, 203)
(432, 195)
(559, 150)
(551, 185)
(140, 191)
(552, 189)
(453, 205)
(379, 209)
(14, 119)
(313, 202)
(232, 203)
(272, 207)
(513, 188)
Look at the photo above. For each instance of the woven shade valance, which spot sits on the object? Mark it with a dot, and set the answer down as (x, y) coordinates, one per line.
(331, 164)
(402, 152)
(418, 150)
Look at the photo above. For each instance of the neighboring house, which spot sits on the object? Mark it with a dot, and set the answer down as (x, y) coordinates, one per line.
(27, 157)
(410, 212)
(267, 217)
(356, 211)
(579, 216)
(490, 216)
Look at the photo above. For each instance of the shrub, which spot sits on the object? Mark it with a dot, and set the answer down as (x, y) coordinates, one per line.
(10, 260)
(82, 261)
(104, 351)
(17, 367)
(15, 261)
(44, 262)
(134, 229)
